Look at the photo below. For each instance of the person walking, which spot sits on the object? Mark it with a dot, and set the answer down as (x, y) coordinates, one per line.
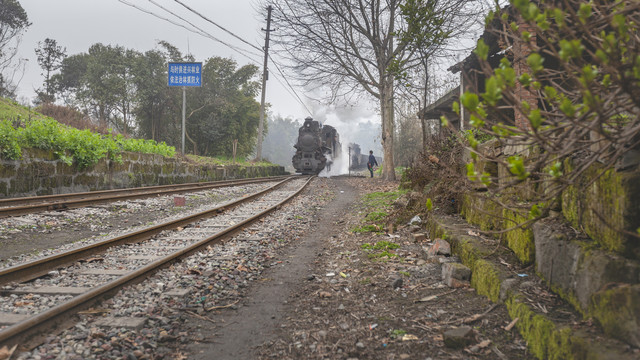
(372, 161)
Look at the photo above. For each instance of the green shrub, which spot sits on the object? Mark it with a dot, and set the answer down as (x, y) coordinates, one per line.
(83, 147)
(9, 144)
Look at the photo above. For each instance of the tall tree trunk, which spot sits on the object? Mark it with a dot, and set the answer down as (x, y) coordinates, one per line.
(387, 111)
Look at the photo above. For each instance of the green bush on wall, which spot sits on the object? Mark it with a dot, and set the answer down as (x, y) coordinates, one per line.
(82, 147)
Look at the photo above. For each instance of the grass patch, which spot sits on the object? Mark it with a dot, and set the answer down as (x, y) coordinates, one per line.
(380, 245)
(367, 229)
(394, 334)
(380, 250)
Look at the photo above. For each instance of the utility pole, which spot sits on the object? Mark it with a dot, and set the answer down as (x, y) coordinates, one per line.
(265, 76)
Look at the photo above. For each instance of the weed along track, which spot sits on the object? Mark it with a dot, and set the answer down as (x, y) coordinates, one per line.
(81, 277)
(29, 205)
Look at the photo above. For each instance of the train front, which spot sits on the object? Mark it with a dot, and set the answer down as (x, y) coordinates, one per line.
(309, 159)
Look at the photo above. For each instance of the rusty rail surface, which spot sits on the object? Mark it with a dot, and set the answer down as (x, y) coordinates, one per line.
(33, 204)
(34, 329)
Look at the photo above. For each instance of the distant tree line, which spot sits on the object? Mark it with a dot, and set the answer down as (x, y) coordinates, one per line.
(126, 90)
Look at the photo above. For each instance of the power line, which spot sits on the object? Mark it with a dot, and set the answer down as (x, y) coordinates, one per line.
(221, 27)
(288, 87)
(200, 29)
(199, 32)
(289, 84)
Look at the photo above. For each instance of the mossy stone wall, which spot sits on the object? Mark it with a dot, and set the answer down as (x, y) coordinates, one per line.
(608, 209)
(41, 173)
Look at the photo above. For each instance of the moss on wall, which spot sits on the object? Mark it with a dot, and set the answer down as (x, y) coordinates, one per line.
(481, 211)
(545, 340)
(486, 279)
(614, 197)
(617, 310)
(520, 239)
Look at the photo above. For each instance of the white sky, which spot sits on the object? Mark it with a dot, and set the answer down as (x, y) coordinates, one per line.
(78, 24)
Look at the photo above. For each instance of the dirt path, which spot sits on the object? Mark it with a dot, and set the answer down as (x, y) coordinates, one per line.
(267, 307)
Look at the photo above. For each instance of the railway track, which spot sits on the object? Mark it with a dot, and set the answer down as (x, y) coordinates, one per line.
(34, 204)
(148, 250)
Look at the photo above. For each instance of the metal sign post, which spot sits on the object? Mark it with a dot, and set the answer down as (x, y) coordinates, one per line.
(184, 74)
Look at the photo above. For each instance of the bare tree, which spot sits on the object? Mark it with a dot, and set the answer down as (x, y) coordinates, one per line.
(346, 46)
(351, 47)
(13, 21)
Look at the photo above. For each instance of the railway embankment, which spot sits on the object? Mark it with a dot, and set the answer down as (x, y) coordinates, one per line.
(571, 282)
(41, 172)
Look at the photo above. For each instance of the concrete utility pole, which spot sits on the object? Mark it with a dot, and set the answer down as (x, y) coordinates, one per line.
(265, 76)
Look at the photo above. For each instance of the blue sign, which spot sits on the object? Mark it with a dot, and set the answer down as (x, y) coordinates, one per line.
(185, 74)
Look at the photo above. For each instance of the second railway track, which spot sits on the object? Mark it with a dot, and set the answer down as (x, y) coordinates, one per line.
(163, 247)
(34, 204)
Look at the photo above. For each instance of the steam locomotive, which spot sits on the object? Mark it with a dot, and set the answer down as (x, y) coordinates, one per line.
(317, 147)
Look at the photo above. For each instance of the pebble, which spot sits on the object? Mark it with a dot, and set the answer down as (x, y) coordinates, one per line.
(216, 282)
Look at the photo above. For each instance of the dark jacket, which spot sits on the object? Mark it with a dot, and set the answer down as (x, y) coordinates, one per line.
(372, 161)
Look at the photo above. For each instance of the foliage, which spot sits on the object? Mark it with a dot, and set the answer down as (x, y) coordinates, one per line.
(9, 145)
(277, 145)
(380, 245)
(582, 70)
(381, 200)
(69, 116)
(50, 56)
(437, 173)
(376, 216)
(82, 147)
(127, 91)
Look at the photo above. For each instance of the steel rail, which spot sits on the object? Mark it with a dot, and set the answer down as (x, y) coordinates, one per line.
(29, 205)
(28, 330)
(33, 269)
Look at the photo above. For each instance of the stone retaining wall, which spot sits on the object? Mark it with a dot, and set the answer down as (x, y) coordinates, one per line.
(600, 275)
(41, 173)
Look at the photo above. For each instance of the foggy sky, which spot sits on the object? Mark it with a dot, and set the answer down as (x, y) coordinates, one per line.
(78, 24)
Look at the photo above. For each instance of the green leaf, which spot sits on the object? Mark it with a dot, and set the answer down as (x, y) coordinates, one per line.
(443, 121)
(482, 50)
(585, 12)
(570, 49)
(556, 169)
(476, 122)
(525, 79)
(471, 172)
(567, 108)
(429, 204)
(493, 92)
(469, 100)
(472, 140)
(535, 62)
(516, 167)
(535, 212)
(558, 15)
(550, 92)
(535, 118)
(456, 107)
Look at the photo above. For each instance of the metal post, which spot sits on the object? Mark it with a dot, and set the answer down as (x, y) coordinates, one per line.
(349, 160)
(184, 113)
(265, 76)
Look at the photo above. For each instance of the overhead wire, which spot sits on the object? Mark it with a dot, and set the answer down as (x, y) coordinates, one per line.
(288, 87)
(200, 29)
(200, 32)
(221, 27)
